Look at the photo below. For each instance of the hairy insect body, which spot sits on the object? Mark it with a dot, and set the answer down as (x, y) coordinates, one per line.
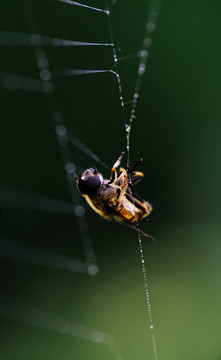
(115, 197)
(105, 204)
(131, 212)
(101, 202)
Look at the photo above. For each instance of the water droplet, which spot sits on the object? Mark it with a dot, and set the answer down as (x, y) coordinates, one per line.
(92, 270)
(79, 210)
(45, 75)
(56, 42)
(60, 130)
(142, 68)
(127, 128)
(150, 27)
(36, 40)
(70, 168)
(42, 62)
(143, 53)
(153, 15)
(147, 42)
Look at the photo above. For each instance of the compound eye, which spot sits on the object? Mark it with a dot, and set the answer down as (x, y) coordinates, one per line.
(89, 186)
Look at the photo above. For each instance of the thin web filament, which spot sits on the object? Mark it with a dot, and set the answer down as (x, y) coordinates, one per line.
(69, 166)
(149, 29)
(83, 5)
(65, 138)
(151, 325)
(26, 313)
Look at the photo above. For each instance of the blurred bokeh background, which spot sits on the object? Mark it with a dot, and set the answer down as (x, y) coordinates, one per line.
(176, 131)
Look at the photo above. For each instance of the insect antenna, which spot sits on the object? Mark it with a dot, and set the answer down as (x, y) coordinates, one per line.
(133, 168)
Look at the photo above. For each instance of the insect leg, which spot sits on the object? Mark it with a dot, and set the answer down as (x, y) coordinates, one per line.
(113, 170)
(122, 184)
(135, 227)
(117, 163)
(136, 176)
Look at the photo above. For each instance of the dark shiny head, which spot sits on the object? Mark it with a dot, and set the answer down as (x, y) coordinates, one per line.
(89, 182)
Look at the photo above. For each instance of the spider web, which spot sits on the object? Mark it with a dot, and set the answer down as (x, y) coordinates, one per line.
(48, 78)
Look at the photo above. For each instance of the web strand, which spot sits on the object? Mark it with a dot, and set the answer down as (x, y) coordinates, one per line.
(79, 207)
(76, 72)
(28, 254)
(57, 116)
(151, 325)
(12, 198)
(115, 67)
(10, 38)
(143, 54)
(63, 140)
(10, 81)
(150, 27)
(83, 5)
(77, 143)
(21, 311)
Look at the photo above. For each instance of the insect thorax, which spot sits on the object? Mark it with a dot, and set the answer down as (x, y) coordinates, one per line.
(102, 199)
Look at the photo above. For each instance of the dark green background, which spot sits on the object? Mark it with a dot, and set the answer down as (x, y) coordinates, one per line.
(177, 132)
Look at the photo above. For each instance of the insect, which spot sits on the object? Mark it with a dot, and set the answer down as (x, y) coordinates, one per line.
(115, 197)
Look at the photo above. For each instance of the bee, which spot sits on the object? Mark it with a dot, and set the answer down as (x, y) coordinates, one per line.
(115, 198)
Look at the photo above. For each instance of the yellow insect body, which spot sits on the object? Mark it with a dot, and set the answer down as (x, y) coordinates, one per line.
(114, 197)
